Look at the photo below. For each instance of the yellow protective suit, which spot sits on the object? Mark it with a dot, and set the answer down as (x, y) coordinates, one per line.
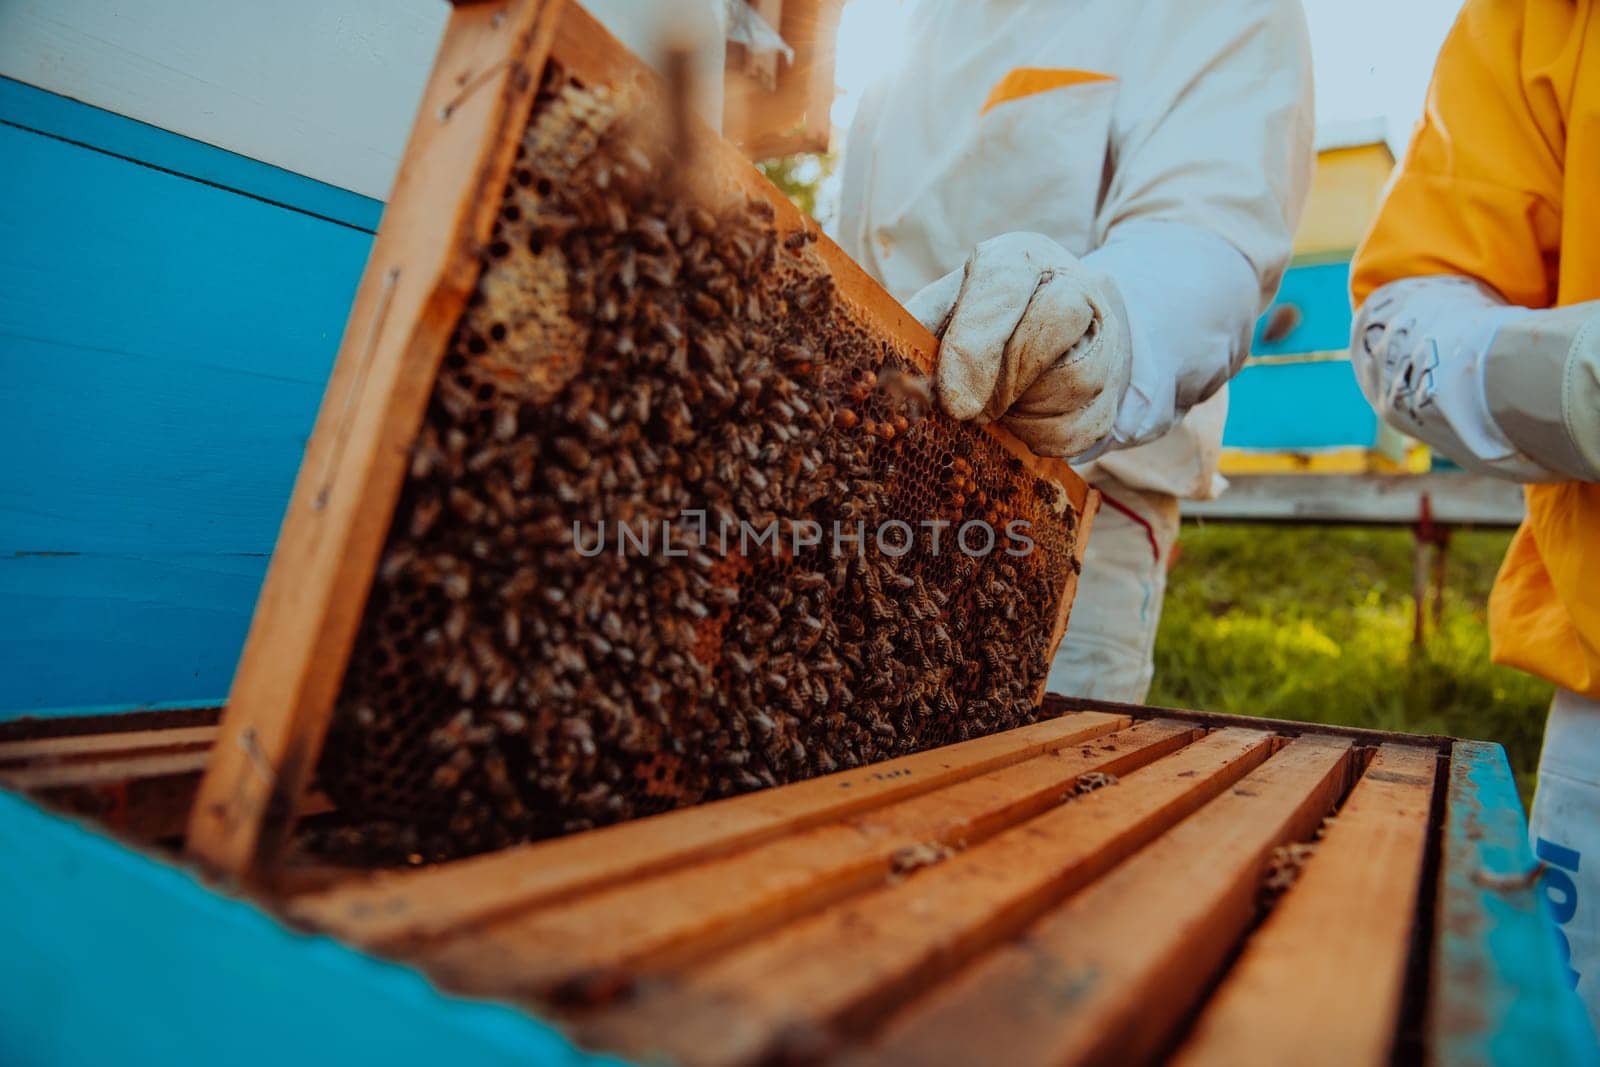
(1502, 184)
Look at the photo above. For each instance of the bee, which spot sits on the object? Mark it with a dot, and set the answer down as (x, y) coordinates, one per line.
(879, 608)
(872, 581)
(396, 562)
(703, 221)
(809, 580)
(706, 306)
(465, 505)
(576, 456)
(423, 515)
(568, 657)
(455, 584)
(658, 269)
(652, 233)
(464, 678)
(426, 455)
(616, 214)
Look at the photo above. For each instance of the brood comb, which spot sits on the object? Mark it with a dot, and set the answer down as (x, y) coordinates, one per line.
(657, 508)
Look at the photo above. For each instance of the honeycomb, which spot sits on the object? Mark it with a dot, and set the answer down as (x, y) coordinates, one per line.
(636, 352)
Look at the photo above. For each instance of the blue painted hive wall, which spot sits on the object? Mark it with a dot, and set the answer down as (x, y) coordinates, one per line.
(169, 314)
(1303, 406)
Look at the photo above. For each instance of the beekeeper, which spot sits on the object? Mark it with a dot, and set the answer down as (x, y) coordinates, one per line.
(1478, 331)
(1090, 204)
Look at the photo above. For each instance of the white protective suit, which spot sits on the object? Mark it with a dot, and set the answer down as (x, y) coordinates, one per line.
(1166, 144)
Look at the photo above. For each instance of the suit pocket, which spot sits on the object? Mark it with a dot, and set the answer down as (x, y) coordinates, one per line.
(1036, 161)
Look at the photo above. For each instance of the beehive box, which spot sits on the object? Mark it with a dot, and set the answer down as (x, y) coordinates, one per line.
(1110, 885)
(627, 492)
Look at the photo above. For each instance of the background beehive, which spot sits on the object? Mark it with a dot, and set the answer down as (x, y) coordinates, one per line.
(650, 330)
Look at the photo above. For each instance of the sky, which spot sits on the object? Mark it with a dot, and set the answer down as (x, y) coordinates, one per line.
(1372, 58)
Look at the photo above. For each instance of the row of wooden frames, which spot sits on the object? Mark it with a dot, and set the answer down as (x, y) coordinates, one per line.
(1098, 887)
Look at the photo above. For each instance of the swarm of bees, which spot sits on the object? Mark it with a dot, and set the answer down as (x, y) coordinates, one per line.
(634, 354)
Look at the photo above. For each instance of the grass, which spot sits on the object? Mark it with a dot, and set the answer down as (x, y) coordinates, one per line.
(1314, 624)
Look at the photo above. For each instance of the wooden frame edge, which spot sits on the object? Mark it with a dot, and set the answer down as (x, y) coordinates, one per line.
(415, 286)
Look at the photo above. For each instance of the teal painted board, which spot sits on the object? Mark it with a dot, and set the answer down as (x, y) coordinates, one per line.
(57, 116)
(164, 344)
(1303, 407)
(96, 629)
(1321, 294)
(113, 958)
(1500, 990)
(1298, 407)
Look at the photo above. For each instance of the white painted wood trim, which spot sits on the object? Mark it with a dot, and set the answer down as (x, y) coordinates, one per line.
(323, 88)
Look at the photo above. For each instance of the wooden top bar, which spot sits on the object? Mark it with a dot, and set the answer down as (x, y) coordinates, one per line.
(1088, 889)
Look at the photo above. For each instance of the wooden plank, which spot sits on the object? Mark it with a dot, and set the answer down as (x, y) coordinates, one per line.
(90, 745)
(794, 116)
(1056, 704)
(1500, 988)
(152, 805)
(415, 905)
(138, 783)
(850, 965)
(423, 266)
(146, 809)
(762, 69)
(676, 918)
(312, 88)
(1322, 981)
(103, 772)
(74, 722)
(1364, 498)
(1087, 512)
(1113, 972)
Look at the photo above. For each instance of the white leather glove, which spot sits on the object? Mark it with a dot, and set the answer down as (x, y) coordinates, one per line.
(1030, 336)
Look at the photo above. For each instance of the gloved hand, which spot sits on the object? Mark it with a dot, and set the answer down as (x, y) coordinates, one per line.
(1030, 336)
(1500, 389)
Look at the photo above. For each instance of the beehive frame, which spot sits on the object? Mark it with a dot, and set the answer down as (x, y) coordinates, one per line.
(1126, 843)
(420, 275)
(1112, 884)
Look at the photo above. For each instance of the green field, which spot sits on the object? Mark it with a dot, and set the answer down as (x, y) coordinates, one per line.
(1314, 623)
